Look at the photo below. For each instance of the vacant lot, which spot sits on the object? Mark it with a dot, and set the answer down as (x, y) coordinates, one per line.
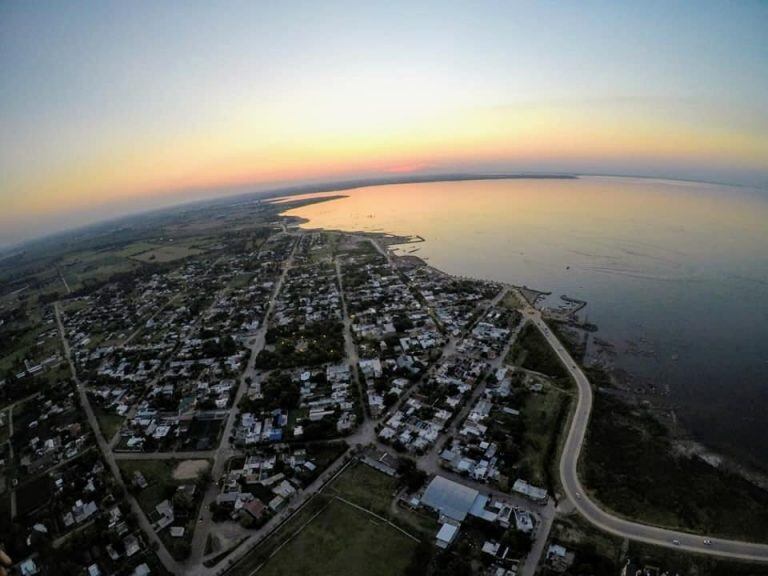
(159, 476)
(166, 253)
(161, 486)
(109, 422)
(33, 495)
(329, 537)
(343, 540)
(190, 469)
(544, 415)
(533, 352)
(365, 487)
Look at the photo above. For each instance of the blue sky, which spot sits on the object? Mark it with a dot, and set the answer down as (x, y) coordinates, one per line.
(109, 106)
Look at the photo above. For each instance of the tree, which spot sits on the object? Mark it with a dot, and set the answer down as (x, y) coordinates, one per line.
(390, 399)
(180, 549)
(410, 476)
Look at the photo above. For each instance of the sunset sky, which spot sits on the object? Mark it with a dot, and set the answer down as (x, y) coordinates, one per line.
(114, 107)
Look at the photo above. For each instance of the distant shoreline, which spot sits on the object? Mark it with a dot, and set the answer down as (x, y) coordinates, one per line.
(283, 191)
(391, 181)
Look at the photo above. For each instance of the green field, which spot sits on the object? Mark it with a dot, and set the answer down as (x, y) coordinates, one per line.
(365, 487)
(109, 422)
(162, 486)
(544, 415)
(341, 541)
(512, 301)
(533, 352)
(92, 266)
(375, 491)
(167, 253)
(158, 474)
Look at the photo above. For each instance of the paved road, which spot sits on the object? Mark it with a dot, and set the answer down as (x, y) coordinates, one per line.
(225, 451)
(143, 323)
(64, 280)
(162, 553)
(11, 457)
(349, 344)
(192, 455)
(265, 531)
(592, 512)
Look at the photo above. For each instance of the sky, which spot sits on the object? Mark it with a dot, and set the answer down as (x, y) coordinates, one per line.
(115, 107)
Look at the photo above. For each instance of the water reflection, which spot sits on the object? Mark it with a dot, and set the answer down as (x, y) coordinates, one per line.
(676, 274)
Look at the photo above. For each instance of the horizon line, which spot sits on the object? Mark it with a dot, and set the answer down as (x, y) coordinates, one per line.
(322, 186)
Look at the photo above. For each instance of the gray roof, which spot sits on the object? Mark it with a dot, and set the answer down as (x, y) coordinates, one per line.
(450, 498)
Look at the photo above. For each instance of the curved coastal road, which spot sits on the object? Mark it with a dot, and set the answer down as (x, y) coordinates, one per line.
(591, 511)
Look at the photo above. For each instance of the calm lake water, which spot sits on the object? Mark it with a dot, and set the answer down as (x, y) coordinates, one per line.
(675, 273)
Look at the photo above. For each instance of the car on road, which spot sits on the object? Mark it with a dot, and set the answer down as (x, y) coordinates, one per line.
(676, 542)
(707, 542)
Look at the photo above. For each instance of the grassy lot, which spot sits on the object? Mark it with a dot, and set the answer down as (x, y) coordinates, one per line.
(72, 306)
(603, 553)
(158, 474)
(4, 425)
(325, 454)
(631, 467)
(33, 495)
(109, 422)
(593, 546)
(166, 253)
(162, 486)
(363, 486)
(511, 301)
(258, 555)
(136, 248)
(375, 491)
(93, 266)
(544, 416)
(532, 351)
(343, 540)
(692, 564)
(25, 346)
(241, 281)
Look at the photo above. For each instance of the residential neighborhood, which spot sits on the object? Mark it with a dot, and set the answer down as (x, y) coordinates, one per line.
(187, 412)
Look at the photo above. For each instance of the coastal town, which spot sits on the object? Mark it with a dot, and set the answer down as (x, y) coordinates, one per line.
(200, 417)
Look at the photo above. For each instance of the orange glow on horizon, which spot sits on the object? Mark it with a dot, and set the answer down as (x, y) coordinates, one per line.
(259, 147)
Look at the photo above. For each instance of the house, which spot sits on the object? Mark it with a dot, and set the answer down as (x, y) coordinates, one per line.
(528, 490)
(491, 547)
(165, 515)
(131, 545)
(559, 559)
(28, 568)
(523, 521)
(276, 503)
(139, 481)
(255, 508)
(141, 570)
(446, 535)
